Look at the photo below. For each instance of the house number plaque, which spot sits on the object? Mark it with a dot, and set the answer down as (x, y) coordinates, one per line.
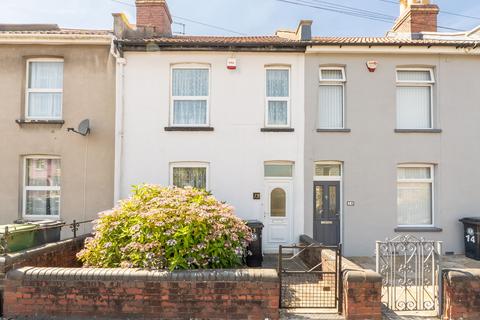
(256, 196)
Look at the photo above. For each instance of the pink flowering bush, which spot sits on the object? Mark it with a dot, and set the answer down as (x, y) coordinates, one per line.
(167, 228)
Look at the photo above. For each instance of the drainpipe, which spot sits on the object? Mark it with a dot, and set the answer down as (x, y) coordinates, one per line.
(119, 125)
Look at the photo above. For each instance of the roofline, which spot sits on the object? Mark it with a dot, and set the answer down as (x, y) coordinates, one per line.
(55, 39)
(397, 49)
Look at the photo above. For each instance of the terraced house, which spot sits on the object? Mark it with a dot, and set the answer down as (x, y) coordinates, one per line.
(347, 140)
(52, 79)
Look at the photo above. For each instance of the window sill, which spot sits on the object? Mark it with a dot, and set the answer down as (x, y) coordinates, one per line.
(418, 130)
(277, 130)
(27, 121)
(189, 129)
(334, 130)
(418, 229)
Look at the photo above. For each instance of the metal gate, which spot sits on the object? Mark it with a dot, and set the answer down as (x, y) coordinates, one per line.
(308, 282)
(411, 273)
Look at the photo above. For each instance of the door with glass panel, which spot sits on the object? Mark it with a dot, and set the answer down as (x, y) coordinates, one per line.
(326, 215)
(278, 213)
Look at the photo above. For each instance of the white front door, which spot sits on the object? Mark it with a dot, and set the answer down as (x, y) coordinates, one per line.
(278, 214)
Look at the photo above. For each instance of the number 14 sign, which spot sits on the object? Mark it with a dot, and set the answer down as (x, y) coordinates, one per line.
(470, 236)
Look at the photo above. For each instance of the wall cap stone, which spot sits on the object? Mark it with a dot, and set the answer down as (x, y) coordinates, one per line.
(462, 275)
(363, 275)
(93, 274)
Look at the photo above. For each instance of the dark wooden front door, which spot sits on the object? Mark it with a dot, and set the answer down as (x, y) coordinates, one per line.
(326, 212)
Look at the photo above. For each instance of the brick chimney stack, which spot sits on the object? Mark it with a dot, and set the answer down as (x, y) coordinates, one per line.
(154, 14)
(416, 16)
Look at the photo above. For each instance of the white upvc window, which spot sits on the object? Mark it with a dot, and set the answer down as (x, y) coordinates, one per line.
(331, 103)
(277, 106)
(415, 98)
(415, 195)
(41, 188)
(44, 89)
(190, 96)
(189, 174)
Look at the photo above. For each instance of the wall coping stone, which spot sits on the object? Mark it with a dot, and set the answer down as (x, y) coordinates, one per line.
(462, 275)
(359, 276)
(96, 274)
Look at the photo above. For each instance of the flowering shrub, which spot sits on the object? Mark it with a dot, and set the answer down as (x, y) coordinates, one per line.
(167, 228)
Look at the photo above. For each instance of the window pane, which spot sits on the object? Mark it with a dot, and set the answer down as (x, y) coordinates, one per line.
(189, 112)
(277, 83)
(332, 200)
(319, 200)
(45, 203)
(332, 74)
(414, 173)
(413, 107)
(414, 204)
(45, 75)
(414, 76)
(45, 105)
(328, 170)
(277, 112)
(43, 173)
(192, 177)
(330, 107)
(190, 82)
(278, 203)
(276, 170)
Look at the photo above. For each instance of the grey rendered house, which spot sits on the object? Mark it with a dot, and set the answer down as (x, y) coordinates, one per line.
(391, 134)
(51, 79)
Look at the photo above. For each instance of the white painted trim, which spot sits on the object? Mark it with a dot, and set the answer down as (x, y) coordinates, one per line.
(430, 70)
(29, 90)
(432, 183)
(286, 99)
(26, 188)
(190, 164)
(342, 69)
(203, 66)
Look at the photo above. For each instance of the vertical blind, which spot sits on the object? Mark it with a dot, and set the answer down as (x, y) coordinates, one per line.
(193, 83)
(278, 92)
(414, 75)
(414, 198)
(330, 113)
(332, 74)
(45, 84)
(413, 107)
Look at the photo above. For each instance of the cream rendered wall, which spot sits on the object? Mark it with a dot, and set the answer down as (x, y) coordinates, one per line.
(236, 150)
(372, 150)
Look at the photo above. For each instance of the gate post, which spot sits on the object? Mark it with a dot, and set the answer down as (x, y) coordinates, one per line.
(280, 274)
(340, 279)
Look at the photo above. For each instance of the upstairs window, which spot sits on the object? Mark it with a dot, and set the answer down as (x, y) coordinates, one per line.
(189, 174)
(415, 195)
(278, 97)
(44, 92)
(41, 192)
(190, 96)
(331, 98)
(415, 98)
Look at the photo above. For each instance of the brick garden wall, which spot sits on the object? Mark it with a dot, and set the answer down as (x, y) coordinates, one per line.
(54, 293)
(461, 289)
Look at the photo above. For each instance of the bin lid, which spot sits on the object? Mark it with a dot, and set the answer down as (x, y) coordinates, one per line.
(254, 224)
(17, 227)
(47, 223)
(472, 220)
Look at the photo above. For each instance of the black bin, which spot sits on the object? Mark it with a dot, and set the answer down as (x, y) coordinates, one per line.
(471, 236)
(50, 233)
(255, 259)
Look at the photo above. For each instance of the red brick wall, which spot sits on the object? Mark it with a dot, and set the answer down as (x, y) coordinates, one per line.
(419, 18)
(154, 13)
(461, 289)
(120, 294)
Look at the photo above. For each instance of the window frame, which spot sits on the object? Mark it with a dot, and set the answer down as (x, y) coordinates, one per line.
(418, 83)
(431, 180)
(190, 98)
(287, 99)
(191, 164)
(29, 90)
(332, 82)
(26, 188)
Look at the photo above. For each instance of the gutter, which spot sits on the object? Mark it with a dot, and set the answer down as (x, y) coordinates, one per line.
(453, 49)
(55, 39)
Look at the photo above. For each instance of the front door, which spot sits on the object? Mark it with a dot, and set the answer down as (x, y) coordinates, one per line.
(278, 214)
(326, 212)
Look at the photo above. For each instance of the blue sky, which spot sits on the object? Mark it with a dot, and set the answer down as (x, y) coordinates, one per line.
(245, 16)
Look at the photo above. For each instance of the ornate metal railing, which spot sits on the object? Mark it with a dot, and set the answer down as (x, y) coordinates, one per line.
(8, 235)
(411, 273)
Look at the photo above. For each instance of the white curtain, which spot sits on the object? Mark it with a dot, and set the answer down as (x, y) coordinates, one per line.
(414, 203)
(189, 112)
(330, 113)
(414, 173)
(277, 112)
(414, 76)
(190, 82)
(45, 105)
(413, 107)
(44, 203)
(277, 83)
(46, 75)
(193, 177)
(332, 74)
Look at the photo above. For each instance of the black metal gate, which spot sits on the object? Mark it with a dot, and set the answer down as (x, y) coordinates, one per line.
(309, 281)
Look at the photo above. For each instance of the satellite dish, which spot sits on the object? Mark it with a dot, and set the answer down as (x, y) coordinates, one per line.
(83, 128)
